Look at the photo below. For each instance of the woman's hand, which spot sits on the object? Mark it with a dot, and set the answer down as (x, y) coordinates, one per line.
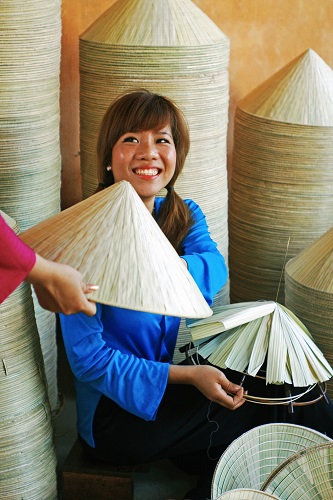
(211, 382)
(59, 288)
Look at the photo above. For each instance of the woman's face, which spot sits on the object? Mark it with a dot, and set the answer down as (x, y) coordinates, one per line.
(146, 159)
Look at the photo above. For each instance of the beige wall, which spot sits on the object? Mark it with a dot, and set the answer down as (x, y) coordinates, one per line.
(264, 36)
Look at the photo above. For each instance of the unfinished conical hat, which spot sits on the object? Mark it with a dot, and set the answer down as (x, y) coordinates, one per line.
(112, 239)
(306, 475)
(252, 332)
(313, 267)
(154, 23)
(300, 93)
(249, 459)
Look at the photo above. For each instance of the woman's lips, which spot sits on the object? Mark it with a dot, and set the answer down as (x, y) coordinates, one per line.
(149, 172)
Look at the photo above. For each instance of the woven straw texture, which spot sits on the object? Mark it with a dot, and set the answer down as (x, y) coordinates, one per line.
(307, 475)
(249, 334)
(280, 196)
(173, 48)
(113, 240)
(251, 458)
(27, 454)
(309, 292)
(30, 163)
(245, 494)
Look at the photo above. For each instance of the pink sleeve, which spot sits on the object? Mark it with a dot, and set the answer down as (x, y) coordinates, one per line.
(16, 260)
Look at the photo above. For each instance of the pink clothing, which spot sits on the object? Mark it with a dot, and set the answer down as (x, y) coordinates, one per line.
(16, 260)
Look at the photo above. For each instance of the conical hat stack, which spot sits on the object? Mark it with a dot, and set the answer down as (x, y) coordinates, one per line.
(27, 454)
(30, 163)
(113, 240)
(170, 47)
(309, 292)
(281, 196)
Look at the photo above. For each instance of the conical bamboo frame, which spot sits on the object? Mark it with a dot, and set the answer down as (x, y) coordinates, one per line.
(252, 332)
(112, 239)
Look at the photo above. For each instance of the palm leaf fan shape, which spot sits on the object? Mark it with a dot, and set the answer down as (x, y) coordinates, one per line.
(243, 336)
(113, 240)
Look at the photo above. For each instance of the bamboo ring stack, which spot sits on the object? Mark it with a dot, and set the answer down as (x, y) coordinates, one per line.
(309, 292)
(27, 454)
(282, 175)
(30, 163)
(173, 48)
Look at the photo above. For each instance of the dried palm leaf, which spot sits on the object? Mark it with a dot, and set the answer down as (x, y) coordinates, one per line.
(277, 336)
(113, 240)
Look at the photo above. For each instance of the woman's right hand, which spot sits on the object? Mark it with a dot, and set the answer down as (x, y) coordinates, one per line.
(211, 382)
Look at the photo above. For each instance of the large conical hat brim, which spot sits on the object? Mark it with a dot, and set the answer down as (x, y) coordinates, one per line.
(306, 475)
(113, 240)
(260, 331)
(249, 459)
(299, 93)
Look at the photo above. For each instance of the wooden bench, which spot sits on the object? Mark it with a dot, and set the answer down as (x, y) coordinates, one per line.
(85, 478)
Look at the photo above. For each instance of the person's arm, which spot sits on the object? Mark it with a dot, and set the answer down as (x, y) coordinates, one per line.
(16, 260)
(136, 384)
(203, 259)
(58, 287)
(211, 382)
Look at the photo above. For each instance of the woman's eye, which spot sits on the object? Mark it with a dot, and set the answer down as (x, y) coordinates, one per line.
(163, 140)
(130, 139)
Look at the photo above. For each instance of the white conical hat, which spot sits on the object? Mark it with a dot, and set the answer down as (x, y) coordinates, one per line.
(299, 93)
(154, 23)
(112, 239)
(313, 267)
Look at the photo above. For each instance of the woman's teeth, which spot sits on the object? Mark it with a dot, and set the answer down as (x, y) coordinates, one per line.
(146, 171)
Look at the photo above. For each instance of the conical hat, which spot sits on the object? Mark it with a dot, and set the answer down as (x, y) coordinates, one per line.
(112, 239)
(299, 93)
(313, 267)
(154, 23)
(250, 331)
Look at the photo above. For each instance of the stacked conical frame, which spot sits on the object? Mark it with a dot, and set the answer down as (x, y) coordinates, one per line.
(27, 454)
(173, 48)
(30, 162)
(281, 196)
(309, 292)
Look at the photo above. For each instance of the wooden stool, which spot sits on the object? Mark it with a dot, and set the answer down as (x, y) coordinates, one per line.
(85, 478)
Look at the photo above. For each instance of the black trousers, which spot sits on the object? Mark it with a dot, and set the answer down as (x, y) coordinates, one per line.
(192, 431)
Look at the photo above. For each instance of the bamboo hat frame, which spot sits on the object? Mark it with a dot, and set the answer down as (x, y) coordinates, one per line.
(113, 240)
(249, 459)
(306, 475)
(243, 336)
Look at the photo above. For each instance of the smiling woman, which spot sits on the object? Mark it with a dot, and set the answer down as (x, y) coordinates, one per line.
(144, 139)
(134, 405)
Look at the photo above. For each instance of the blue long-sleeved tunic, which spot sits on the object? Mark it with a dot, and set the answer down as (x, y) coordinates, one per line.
(126, 354)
